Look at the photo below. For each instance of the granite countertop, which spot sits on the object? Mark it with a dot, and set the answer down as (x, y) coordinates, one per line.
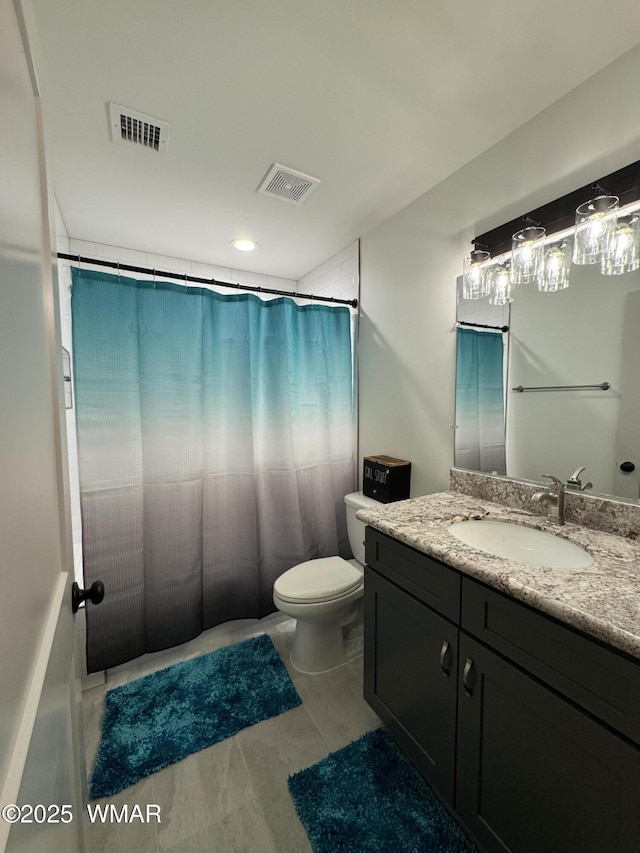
(602, 600)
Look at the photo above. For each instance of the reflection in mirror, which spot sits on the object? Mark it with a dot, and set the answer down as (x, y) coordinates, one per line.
(480, 382)
(587, 334)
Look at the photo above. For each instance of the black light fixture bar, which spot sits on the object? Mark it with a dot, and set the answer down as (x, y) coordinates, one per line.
(194, 279)
(560, 213)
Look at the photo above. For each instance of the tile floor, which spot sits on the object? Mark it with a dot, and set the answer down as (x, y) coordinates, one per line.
(233, 796)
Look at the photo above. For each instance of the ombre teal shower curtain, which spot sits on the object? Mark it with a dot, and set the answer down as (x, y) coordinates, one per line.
(480, 424)
(215, 443)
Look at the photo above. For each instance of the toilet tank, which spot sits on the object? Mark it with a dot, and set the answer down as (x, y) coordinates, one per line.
(355, 528)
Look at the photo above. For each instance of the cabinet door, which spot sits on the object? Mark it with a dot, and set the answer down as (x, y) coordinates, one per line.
(534, 772)
(410, 677)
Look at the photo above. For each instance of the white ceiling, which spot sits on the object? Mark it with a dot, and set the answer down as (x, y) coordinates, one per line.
(380, 99)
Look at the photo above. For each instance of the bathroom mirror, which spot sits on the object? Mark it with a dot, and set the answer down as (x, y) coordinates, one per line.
(588, 334)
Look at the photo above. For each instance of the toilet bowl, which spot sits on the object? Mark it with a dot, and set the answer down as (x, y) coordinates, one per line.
(324, 596)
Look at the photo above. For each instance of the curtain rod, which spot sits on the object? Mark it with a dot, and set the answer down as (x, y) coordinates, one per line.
(197, 280)
(483, 326)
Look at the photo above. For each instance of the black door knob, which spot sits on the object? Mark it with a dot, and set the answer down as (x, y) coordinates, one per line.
(94, 594)
(627, 467)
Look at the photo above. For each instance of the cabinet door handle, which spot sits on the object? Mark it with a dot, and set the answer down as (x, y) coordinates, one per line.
(444, 665)
(468, 678)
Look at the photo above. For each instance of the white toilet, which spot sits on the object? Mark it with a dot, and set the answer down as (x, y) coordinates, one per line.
(324, 595)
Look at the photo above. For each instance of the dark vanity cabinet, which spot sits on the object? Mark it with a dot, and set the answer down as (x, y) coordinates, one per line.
(415, 683)
(528, 730)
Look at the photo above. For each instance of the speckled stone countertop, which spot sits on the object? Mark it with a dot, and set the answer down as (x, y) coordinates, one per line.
(602, 600)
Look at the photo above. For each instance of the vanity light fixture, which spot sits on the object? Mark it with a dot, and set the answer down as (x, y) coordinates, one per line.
(244, 244)
(622, 253)
(527, 254)
(604, 230)
(595, 220)
(501, 285)
(475, 283)
(557, 264)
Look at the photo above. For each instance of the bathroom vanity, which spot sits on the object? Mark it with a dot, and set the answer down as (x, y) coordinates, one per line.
(514, 689)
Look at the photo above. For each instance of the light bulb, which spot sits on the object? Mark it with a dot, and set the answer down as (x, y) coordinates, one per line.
(595, 220)
(527, 254)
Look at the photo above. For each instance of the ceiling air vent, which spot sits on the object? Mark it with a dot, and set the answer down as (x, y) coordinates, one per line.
(288, 184)
(138, 129)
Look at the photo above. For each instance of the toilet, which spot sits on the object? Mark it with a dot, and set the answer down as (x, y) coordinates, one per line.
(325, 597)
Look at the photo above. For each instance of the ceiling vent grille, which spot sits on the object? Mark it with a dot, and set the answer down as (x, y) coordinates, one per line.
(287, 184)
(138, 129)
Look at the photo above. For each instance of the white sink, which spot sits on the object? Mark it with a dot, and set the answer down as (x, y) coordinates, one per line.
(524, 544)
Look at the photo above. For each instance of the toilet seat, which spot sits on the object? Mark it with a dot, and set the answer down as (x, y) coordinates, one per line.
(315, 581)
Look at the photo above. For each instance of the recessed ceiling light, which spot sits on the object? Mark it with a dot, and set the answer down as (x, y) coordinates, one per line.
(243, 244)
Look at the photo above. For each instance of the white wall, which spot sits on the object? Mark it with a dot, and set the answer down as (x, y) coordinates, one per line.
(410, 263)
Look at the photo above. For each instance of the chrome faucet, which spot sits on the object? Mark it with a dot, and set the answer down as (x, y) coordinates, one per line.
(574, 481)
(554, 497)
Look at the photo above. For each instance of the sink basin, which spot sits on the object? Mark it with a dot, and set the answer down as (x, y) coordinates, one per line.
(524, 544)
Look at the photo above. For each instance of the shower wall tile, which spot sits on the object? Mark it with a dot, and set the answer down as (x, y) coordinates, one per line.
(82, 247)
(318, 271)
(211, 271)
(125, 256)
(281, 283)
(345, 256)
(178, 265)
(337, 277)
(165, 262)
(249, 277)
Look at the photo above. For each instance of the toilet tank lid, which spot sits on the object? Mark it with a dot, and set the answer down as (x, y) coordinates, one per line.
(358, 500)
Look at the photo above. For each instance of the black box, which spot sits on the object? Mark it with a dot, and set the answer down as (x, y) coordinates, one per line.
(386, 479)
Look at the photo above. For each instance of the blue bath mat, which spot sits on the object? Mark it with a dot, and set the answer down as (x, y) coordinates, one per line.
(163, 717)
(368, 797)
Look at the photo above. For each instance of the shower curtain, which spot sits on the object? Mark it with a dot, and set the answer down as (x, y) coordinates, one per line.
(480, 425)
(215, 443)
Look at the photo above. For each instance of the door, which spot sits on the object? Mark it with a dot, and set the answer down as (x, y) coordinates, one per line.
(534, 772)
(627, 482)
(410, 675)
(39, 725)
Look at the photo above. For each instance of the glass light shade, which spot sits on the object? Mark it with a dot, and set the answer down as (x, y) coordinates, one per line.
(557, 264)
(527, 254)
(595, 220)
(622, 252)
(501, 286)
(475, 283)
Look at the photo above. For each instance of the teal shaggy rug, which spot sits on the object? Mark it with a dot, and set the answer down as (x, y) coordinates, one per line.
(368, 797)
(163, 717)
